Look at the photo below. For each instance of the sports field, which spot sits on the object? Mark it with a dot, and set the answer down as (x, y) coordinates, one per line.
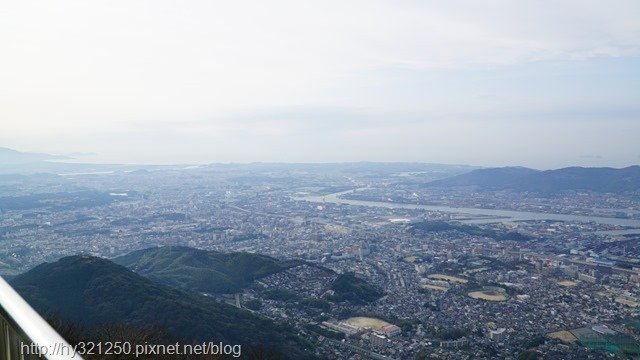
(367, 323)
(628, 302)
(564, 336)
(489, 294)
(449, 278)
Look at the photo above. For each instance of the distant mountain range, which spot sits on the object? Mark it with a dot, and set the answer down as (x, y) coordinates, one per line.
(27, 163)
(10, 156)
(200, 270)
(600, 180)
(93, 291)
(17, 162)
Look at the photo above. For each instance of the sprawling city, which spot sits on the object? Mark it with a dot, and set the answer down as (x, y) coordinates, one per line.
(384, 261)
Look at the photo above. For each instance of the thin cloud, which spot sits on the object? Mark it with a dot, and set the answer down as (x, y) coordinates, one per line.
(285, 75)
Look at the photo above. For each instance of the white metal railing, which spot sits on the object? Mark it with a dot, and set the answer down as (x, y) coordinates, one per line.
(22, 331)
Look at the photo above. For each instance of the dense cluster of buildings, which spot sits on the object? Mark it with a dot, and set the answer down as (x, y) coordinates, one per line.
(569, 275)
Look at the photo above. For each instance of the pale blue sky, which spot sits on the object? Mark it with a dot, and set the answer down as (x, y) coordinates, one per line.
(536, 83)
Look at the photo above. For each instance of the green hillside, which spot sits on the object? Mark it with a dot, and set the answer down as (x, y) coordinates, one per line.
(200, 270)
(93, 291)
(348, 287)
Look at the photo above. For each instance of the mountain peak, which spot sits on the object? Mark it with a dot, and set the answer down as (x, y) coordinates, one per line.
(202, 270)
(601, 179)
(96, 292)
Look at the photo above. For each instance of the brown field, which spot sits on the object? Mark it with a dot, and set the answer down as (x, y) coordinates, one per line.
(563, 336)
(627, 302)
(489, 295)
(567, 283)
(367, 322)
(449, 278)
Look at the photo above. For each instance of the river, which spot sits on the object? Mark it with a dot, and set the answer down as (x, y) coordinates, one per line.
(490, 215)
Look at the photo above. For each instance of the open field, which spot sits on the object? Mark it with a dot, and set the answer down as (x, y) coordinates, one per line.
(367, 322)
(489, 295)
(564, 336)
(567, 283)
(449, 278)
(627, 302)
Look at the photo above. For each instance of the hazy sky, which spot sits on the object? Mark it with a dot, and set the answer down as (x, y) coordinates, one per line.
(540, 83)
